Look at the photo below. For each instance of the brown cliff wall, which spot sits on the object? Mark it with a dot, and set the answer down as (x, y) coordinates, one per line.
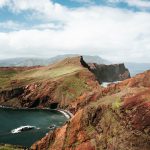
(110, 73)
(118, 120)
(107, 73)
(59, 92)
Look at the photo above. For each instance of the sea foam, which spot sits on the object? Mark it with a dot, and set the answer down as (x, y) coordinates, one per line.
(23, 128)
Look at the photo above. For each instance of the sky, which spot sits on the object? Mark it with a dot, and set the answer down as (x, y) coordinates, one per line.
(117, 30)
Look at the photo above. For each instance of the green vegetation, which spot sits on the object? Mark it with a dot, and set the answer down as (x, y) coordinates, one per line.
(10, 147)
(49, 73)
(12, 78)
(90, 130)
(71, 88)
(116, 104)
(6, 76)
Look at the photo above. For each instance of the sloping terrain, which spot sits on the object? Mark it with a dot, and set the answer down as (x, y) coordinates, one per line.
(10, 147)
(113, 118)
(60, 83)
(69, 84)
(56, 85)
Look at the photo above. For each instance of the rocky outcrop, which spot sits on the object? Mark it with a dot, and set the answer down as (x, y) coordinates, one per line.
(110, 73)
(58, 94)
(10, 94)
(11, 97)
(62, 90)
(113, 118)
(107, 73)
(99, 113)
(59, 88)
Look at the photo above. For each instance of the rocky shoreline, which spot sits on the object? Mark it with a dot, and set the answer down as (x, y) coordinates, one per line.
(66, 113)
(116, 117)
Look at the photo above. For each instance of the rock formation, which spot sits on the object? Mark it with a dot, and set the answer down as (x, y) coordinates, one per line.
(107, 73)
(57, 85)
(110, 73)
(114, 118)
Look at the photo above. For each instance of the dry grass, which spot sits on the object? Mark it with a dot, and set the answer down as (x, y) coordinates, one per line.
(9, 78)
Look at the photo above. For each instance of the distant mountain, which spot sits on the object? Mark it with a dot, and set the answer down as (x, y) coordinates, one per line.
(22, 62)
(87, 58)
(136, 68)
(47, 61)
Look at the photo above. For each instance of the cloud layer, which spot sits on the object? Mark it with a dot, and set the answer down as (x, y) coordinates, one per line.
(113, 33)
(137, 3)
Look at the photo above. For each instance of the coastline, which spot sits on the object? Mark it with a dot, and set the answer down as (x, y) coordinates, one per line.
(66, 113)
(62, 112)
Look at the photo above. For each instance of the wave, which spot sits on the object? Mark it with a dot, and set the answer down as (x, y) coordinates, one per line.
(66, 113)
(23, 128)
(106, 84)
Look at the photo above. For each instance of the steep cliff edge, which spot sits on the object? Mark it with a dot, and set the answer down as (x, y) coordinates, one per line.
(107, 73)
(112, 118)
(110, 73)
(118, 119)
(57, 85)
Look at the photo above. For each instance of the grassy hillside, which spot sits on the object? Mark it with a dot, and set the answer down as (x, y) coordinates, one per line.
(61, 83)
(17, 77)
(10, 147)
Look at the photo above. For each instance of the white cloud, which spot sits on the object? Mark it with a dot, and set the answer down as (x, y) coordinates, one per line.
(118, 35)
(11, 25)
(139, 3)
(2, 3)
(38, 8)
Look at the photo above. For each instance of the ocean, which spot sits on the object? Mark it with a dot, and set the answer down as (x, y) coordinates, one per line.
(40, 122)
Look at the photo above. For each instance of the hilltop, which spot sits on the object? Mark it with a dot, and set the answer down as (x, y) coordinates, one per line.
(56, 85)
(59, 83)
(18, 62)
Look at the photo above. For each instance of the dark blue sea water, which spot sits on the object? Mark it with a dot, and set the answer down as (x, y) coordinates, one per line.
(13, 118)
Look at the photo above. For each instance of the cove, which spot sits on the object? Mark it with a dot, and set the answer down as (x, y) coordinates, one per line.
(43, 121)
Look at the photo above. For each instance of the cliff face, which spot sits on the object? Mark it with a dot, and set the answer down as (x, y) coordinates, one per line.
(118, 119)
(110, 73)
(58, 85)
(112, 118)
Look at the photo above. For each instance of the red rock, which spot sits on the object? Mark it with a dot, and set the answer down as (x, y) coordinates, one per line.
(85, 146)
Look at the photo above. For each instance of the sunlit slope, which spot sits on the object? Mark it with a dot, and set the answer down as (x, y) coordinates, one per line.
(10, 77)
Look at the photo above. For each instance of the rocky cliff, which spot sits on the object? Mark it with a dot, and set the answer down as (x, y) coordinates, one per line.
(110, 73)
(103, 118)
(57, 85)
(114, 118)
